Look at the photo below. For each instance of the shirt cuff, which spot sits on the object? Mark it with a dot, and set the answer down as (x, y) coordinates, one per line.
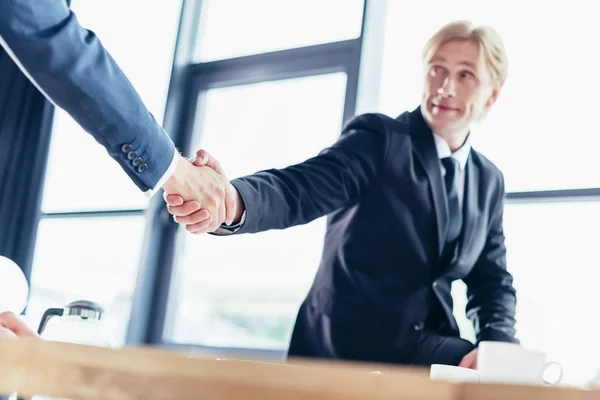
(170, 171)
(230, 230)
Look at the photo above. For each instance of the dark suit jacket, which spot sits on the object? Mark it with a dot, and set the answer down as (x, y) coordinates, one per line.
(72, 68)
(381, 186)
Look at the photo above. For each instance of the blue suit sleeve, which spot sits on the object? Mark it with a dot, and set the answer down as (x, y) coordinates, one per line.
(74, 71)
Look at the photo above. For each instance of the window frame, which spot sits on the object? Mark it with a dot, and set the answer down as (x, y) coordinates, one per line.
(359, 58)
(189, 80)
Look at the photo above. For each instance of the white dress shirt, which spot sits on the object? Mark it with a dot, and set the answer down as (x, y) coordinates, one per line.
(168, 173)
(461, 155)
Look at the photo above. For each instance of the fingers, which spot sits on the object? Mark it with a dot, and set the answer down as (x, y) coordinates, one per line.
(10, 321)
(203, 158)
(6, 333)
(199, 228)
(188, 208)
(173, 199)
(192, 218)
(474, 363)
(469, 361)
(201, 222)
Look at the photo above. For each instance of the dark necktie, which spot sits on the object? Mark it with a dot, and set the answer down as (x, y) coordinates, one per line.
(455, 213)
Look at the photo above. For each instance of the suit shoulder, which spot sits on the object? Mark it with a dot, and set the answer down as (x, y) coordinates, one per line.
(488, 167)
(378, 122)
(485, 163)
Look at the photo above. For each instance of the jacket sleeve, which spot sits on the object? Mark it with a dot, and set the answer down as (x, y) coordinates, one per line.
(69, 65)
(491, 296)
(337, 177)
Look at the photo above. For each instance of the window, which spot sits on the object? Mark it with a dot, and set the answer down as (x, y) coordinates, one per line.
(81, 176)
(232, 28)
(95, 256)
(88, 258)
(540, 133)
(244, 291)
(552, 256)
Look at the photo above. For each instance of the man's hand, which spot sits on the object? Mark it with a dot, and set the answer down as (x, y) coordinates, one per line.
(192, 214)
(208, 192)
(12, 326)
(470, 360)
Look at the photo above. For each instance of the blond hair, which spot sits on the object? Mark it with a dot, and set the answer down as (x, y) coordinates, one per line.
(491, 48)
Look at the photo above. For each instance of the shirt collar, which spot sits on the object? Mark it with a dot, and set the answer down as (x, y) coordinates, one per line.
(461, 155)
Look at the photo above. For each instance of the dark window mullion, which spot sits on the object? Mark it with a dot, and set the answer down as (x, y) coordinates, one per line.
(588, 194)
(285, 64)
(94, 214)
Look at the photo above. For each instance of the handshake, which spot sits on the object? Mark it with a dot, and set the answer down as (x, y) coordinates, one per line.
(200, 197)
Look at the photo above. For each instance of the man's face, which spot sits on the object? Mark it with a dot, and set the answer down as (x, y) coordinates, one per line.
(458, 89)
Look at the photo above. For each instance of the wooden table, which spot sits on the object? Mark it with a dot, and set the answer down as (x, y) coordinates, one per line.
(31, 366)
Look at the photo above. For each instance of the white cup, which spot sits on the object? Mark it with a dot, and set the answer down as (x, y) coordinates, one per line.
(451, 373)
(502, 362)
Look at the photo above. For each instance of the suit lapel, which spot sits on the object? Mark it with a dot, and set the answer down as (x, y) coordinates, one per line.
(427, 155)
(470, 205)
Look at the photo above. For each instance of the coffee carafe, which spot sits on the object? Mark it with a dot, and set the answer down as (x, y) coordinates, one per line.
(79, 322)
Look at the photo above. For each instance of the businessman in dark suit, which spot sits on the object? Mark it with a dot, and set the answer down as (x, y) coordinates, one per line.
(69, 65)
(411, 208)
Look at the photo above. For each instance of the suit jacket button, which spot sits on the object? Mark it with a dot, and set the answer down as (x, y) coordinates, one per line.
(137, 161)
(418, 326)
(126, 148)
(132, 155)
(142, 168)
